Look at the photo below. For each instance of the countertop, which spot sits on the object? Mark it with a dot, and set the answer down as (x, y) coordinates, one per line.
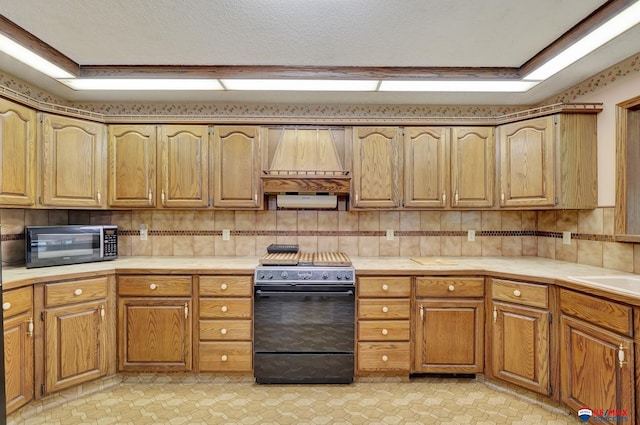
(535, 269)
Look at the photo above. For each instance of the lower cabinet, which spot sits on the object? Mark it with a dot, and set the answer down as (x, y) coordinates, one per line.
(597, 355)
(448, 320)
(154, 323)
(17, 311)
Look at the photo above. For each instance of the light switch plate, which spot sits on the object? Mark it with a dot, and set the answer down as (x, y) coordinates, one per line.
(390, 234)
(471, 235)
(226, 234)
(143, 232)
(566, 238)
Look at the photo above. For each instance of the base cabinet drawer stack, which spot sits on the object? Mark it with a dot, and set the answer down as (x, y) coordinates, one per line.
(448, 320)
(383, 326)
(154, 323)
(225, 324)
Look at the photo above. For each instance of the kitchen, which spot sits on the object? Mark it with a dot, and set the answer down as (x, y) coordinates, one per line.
(213, 222)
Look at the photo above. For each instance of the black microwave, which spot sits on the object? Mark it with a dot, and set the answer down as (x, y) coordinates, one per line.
(60, 245)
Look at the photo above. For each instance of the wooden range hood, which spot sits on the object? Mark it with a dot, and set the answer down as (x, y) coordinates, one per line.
(306, 160)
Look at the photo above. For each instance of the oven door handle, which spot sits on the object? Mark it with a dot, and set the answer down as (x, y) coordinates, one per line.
(262, 293)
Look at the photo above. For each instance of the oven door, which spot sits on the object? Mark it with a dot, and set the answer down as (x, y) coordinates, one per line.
(304, 333)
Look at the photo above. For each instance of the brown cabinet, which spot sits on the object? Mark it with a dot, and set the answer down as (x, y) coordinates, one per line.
(472, 167)
(73, 154)
(237, 164)
(426, 167)
(449, 325)
(17, 311)
(597, 354)
(383, 327)
(154, 323)
(225, 324)
(17, 155)
(78, 338)
(521, 335)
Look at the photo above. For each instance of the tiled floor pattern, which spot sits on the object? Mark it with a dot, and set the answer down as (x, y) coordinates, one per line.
(162, 400)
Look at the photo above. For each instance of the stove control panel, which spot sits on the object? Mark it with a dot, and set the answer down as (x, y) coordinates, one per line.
(279, 274)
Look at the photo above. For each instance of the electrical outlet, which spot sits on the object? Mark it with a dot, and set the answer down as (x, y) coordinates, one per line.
(390, 234)
(566, 238)
(226, 234)
(143, 232)
(471, 235)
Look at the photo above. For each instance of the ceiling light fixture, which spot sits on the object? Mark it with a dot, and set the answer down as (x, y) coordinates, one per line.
(601, 35)
(27, 57)
(142, 84)
(300, 85)
(457, 86)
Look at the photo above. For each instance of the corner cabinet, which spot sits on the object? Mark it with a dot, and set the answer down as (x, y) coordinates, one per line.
(237, 164)
(17, 155)
(72, 167)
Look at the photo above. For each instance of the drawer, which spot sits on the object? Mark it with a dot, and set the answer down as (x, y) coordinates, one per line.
(383, 330)
(225, 356)
(226, 286)
(76, 291)
(381, 356)
(607, 314)
(225, 330)
(154, 286)
(449, 287)
(529, 294)
(391, 287)
(226, 308)
(384, 309)
(17, 301)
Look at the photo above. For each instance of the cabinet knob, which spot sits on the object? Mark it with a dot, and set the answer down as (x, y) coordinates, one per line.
(223, 331)
(223, 286)
(6, 306)
(224, 358)
(385, 287)
(385, 358)
(153, 286)
(451, 288)
(223, 309)
(516, 293)
(385, 309)
(385, 332)
(77, 292)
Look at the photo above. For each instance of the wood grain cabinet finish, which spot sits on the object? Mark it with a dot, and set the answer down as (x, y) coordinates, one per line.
(383, 326)
(17, 311)
(597, 354)
(18, 129)
(520, 334)
(132, 166)
(154, 323)
(78, 322)
(72, 162)
(237, 165)
(426, 167)
(225, 324)
(549, 162)
(472, 167)
(449, 325)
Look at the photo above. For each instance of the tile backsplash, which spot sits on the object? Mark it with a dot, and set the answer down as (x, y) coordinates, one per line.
(365, 233)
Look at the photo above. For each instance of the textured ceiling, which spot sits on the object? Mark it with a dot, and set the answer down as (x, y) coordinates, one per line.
(432, 33)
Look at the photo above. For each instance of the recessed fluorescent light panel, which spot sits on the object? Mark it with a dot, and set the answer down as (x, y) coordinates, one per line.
(141, 84)
(300, 85)
(601, 35)
(27, 57)
(457, 86)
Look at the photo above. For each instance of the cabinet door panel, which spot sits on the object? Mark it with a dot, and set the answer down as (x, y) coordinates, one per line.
(18, 360)
(472, 166)
(426, 170)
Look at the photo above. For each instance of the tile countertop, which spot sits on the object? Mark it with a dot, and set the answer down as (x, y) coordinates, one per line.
(534, 269)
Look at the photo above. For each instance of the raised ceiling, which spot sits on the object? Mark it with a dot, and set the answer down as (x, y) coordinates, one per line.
(459, 35)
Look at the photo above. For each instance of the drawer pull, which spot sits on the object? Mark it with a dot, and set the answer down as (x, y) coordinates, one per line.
(224, 358)
(6, 306)
(30, 327)
(224, 309)
(77, 292)
(385, 358)
(385, 309)
(451, 288)
(621, 356)
(385, 332)
(223, 331)
(223, 286)
(516, 293)
(153, 286)
(385, 287)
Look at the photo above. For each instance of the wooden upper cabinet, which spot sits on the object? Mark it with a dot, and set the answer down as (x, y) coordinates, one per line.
(377, 167)
(184, 166)
(72, 171)
(426, 167)
(17, 155)
(237, 163)
(132, 165)
(472, 167)
(526, 163)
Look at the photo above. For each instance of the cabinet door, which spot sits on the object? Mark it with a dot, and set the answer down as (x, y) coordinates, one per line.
(520, 346)
(184, 165)
(154, 334)
(449, 336)
(18, 360)
(527, 163)
(75, 345)
(376, 167)
(17, 155)
(73, 153)
(592, 374)
(426, 170)
(237, 167)
(472, 166)
(132, 165)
